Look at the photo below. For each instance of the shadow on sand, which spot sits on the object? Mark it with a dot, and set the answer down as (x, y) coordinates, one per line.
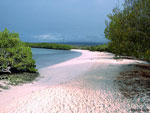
(135, 84)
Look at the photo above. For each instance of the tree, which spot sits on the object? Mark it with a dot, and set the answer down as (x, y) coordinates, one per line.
(129, 29)
(14, 54)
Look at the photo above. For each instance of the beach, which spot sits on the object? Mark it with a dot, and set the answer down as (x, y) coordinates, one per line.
(85, 84)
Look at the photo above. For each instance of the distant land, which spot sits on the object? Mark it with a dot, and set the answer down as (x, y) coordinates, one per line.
(79, 43)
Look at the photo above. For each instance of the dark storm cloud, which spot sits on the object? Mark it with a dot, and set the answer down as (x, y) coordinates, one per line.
(73, 20)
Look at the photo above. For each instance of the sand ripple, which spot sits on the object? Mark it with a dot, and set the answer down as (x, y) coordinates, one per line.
(69, 98)
(81, 85)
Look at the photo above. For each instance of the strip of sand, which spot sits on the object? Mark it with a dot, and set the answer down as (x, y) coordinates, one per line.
(67, 87)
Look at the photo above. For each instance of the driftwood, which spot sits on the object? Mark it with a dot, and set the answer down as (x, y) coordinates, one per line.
(7, 70)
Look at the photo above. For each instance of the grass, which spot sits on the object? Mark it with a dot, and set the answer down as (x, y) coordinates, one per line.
(19, 78)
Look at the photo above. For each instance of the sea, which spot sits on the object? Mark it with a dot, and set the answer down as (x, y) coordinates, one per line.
(49, 57)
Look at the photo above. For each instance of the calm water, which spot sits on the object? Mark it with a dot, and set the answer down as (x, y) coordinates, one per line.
(48, 57)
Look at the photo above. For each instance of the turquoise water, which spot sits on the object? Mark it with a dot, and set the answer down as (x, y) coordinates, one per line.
(48, 57)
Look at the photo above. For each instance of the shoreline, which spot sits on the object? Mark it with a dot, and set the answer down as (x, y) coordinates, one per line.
(79, 71)
(49, 57)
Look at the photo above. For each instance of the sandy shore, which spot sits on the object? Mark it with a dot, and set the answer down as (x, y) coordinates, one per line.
(81, 85)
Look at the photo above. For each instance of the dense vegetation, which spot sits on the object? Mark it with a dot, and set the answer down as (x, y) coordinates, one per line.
(15, 56)
(129, 29)
(103, 47)
(50, 46)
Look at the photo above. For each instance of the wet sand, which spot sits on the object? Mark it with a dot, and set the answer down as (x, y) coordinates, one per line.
(86, 84)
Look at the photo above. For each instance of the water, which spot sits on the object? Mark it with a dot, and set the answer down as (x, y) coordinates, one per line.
(48, 57)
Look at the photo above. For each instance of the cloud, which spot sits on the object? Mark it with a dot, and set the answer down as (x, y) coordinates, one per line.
(49, 37)
(74, 37)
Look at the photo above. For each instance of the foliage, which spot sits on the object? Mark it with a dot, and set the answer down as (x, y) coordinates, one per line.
(103, 47)
(14, 54)
(82, 47)
(129, 29)
(50, 46)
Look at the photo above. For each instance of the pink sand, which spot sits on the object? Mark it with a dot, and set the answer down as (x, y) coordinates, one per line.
(57, 89)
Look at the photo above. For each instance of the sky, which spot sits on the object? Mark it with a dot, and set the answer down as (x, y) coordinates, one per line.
(57, 20)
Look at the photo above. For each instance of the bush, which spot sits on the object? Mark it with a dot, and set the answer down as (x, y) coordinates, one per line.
(14, 54)
(129, 29)
(103, 47)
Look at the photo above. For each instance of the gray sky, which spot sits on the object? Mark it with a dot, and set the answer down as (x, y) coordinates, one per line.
(56, 20)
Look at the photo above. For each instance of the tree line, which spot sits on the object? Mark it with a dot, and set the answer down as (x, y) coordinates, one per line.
(128, 29)
(50, 46)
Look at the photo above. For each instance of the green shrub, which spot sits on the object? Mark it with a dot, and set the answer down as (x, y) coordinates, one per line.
(129, 29)
(14, 54)
(103, 47)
